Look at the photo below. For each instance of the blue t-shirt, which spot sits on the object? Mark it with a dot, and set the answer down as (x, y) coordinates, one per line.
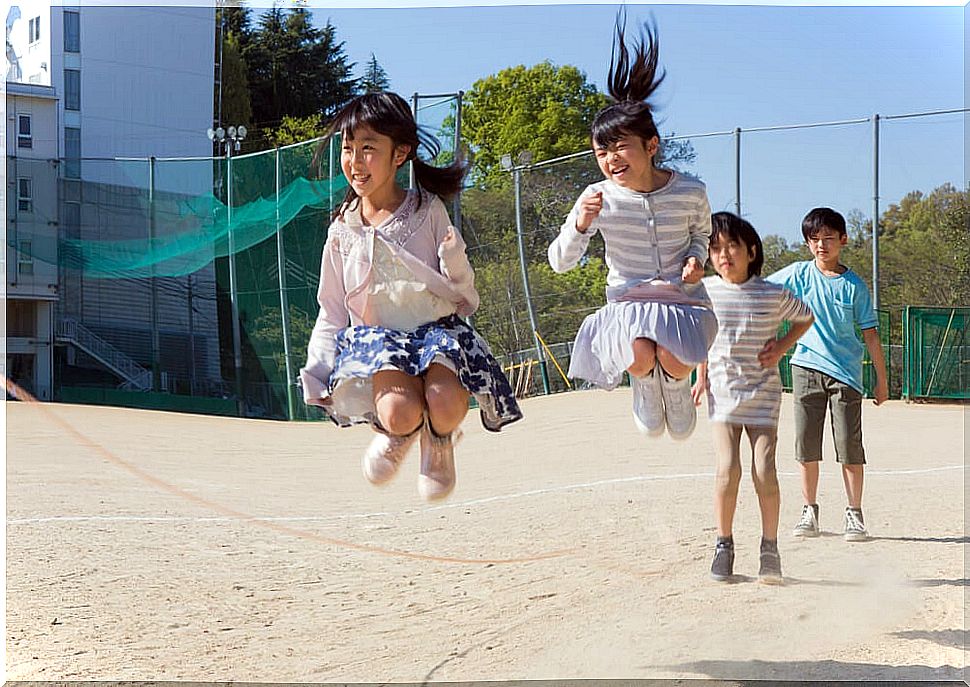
(840, 304)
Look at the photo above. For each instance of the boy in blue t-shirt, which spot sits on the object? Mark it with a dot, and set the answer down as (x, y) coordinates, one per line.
(827, 366)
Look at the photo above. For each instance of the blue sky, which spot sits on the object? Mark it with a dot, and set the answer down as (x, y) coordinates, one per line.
(728, 66)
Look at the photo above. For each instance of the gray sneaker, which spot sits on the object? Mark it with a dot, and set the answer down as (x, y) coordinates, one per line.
(855, 527)
(679, 408)
(770, 570)
(722, 567)
(808, 524)
(648, 406)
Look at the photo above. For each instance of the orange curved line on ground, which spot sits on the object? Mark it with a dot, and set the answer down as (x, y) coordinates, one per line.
(106, 453)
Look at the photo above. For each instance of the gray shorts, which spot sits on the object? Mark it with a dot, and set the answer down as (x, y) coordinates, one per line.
(813, 392)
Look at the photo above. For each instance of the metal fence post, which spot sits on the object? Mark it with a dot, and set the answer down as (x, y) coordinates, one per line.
(284, 302)
(517, 175)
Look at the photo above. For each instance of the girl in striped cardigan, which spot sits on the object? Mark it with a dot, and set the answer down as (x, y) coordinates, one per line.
(657, 323)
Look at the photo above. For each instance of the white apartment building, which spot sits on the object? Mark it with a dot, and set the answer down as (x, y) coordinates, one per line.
(112, 82)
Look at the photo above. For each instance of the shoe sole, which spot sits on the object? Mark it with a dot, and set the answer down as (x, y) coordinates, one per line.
(805, 534)
(856, 537)
(722, 578)
(771, 579)
(377, 482)
(654, 433)
(681, 436)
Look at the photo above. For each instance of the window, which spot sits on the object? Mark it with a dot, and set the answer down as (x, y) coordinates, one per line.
(25, 139)
(33, 30)
(72, 89)
(72, 152)
(25, 258)
(72, 220)
(21, 318)
(72, 31)
(25, 196)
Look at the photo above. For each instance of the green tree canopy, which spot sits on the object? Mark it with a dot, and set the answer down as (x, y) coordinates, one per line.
(295, 68)
(545, 109)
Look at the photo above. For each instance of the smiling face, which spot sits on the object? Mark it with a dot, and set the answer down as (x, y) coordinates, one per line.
(369, 161)
(628, 162)
(731, 258)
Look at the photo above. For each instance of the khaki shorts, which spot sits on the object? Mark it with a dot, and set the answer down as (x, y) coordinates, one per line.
(813, 392)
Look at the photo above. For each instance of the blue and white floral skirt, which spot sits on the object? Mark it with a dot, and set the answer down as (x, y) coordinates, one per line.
(364, 350)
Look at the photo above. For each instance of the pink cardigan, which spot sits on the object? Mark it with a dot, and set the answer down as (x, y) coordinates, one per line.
(414, 234)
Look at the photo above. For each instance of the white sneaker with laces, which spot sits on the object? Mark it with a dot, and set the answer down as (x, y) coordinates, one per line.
(437, 478)
(384, 455)
(807, 525)
(855, 527)
(648, 407)
(679, 407)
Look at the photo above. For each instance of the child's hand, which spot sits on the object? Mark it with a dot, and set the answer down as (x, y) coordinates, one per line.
(693, 271)
(697, 391)
(451, 247)
(589, 209)
(881, 392)
(771, 354)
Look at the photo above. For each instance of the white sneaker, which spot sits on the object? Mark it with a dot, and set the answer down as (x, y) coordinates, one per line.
(384, 456)
(437, 478)
(678, 405)
(807, 525)
(855, 527)
(648, 407)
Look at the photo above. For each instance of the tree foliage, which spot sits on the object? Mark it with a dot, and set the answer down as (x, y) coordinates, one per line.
(375, 78)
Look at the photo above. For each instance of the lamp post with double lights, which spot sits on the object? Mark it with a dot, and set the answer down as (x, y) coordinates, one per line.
(524, 159)
(232, 139)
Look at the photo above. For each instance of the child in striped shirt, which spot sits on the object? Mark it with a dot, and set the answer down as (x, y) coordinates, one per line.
(743, 384)
(657, 323)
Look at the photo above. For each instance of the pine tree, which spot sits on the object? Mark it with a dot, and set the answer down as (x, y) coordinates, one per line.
(375, 78)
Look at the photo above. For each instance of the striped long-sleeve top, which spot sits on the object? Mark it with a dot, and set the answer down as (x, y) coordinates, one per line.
(648, 236)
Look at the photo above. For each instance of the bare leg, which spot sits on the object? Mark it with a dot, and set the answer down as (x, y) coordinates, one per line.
(727, 449)
(446, 398)
(810, 482)
(765, 477)
(399, 399)
(672, 365)
(644, 357)
(852, 476)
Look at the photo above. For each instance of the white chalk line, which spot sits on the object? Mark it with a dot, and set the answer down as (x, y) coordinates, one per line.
(419, 511)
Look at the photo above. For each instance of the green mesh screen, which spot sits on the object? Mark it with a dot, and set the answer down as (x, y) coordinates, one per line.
(937, 353)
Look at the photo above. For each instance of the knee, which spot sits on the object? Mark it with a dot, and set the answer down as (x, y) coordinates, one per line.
(644, 357)
(765, 485)
(728, 477)
(446, 399)
(400, 414)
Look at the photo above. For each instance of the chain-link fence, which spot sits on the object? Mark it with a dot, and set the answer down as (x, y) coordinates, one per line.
(191, 283)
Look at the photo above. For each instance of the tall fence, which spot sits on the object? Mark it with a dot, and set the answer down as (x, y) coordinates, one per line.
(195, 279)
(937, 353)
(770, 175)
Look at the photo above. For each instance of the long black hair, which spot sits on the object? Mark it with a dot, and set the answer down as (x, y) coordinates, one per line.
(630, 83)
(726, 226)
(389, 114)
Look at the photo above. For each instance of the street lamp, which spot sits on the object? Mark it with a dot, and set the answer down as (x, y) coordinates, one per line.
(232, 138)
(524, 160)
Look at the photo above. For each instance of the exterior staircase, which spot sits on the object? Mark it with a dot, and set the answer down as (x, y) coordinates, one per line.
(136, 377)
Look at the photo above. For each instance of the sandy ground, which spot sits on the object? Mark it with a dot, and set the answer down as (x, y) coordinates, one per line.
(154, 546)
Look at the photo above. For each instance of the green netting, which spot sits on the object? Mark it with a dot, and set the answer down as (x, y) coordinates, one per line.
(206, 221)
(937, 353)
(143, 259)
